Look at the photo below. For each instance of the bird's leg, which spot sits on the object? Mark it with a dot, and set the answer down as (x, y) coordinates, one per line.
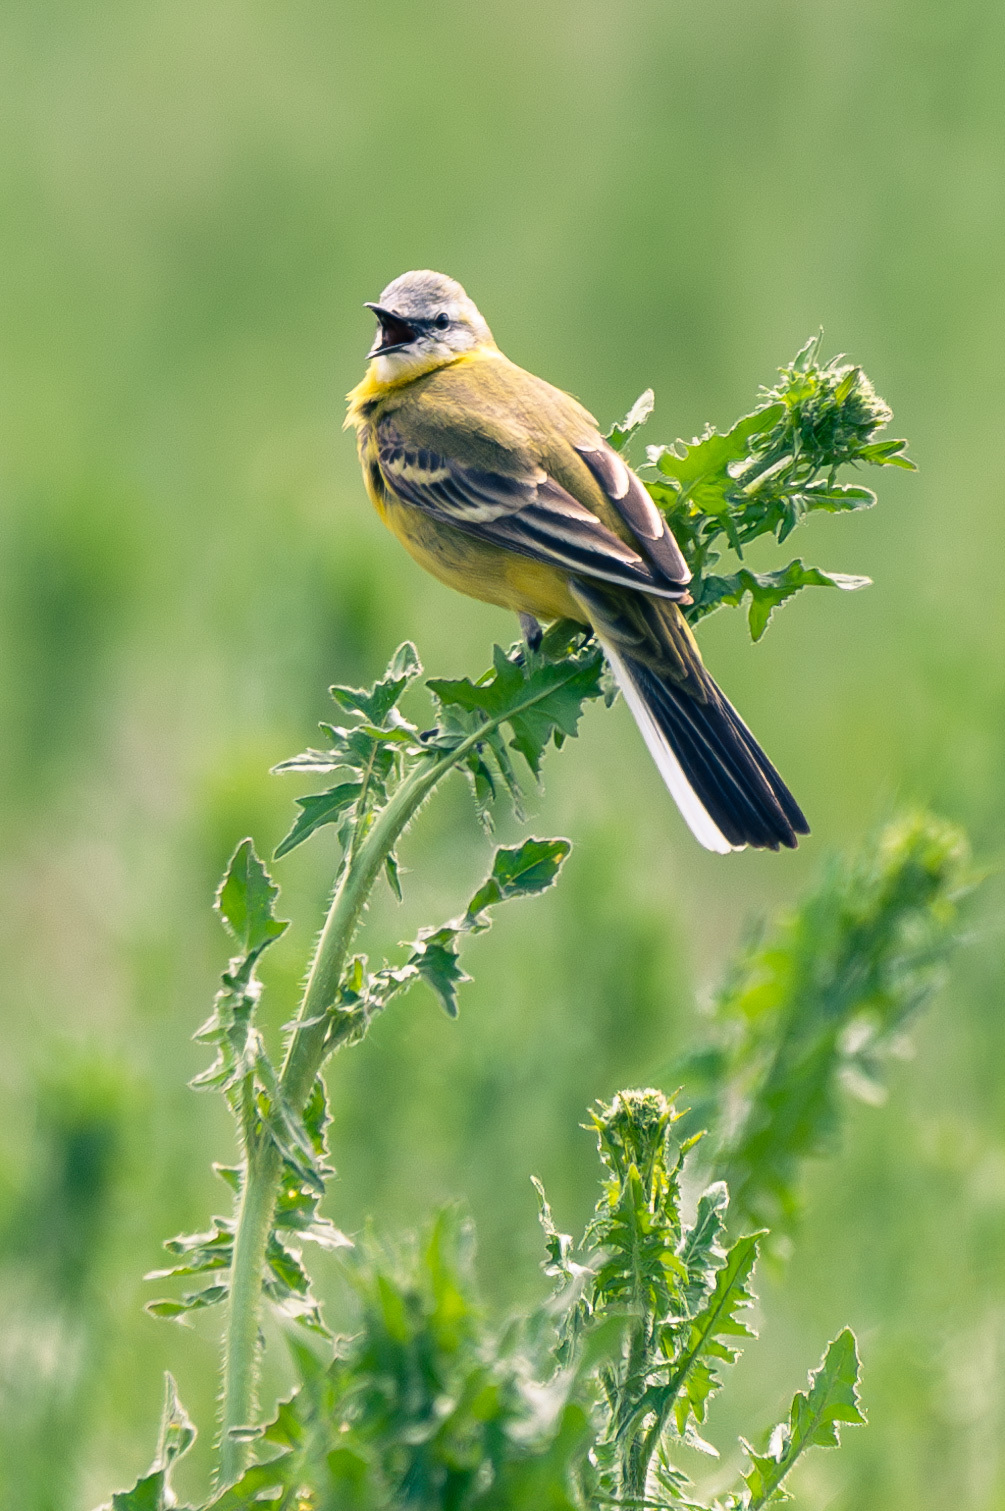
(532, 631)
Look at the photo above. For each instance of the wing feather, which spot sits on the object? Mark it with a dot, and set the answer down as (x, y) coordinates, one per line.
(637, 509)
(524, 510)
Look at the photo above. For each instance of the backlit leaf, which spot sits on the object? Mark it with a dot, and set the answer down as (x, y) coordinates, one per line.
(246, 900)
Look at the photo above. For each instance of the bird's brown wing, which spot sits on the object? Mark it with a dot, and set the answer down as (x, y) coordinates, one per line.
(513, 502)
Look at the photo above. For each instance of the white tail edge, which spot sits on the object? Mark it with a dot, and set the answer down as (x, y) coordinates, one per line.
(697, 817)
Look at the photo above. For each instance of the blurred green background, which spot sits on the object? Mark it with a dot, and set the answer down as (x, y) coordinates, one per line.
(196, 199)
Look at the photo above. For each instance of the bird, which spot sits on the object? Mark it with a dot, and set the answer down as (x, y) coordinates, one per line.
(502, 487)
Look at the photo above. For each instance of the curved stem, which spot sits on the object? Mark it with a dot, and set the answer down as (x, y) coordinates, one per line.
(309, 1046)
(240, 1367)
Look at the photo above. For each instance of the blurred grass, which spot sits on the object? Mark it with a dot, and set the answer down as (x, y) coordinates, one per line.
(196, 199)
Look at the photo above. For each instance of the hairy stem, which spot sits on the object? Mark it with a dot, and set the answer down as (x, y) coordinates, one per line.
(240, 1369)
(310, 1044)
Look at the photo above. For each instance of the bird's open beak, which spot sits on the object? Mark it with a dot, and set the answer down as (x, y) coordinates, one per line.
(394, 334)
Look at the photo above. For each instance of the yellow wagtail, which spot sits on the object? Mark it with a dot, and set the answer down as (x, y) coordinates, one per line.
(502, 487)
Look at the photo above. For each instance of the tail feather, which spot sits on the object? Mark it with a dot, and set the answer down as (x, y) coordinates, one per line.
(726, 788)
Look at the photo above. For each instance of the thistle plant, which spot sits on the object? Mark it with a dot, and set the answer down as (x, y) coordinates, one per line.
(574, 1407)
(646, 1315)
(584, 1401)
(682, 1298)
(814, 1009)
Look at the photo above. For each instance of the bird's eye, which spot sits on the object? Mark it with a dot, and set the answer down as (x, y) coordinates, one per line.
(442, 321)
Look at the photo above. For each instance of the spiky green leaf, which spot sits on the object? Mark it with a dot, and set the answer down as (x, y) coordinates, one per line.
(767, 590)
(375, 703)
(620, 435)
(520, 871)
(317, 810)
(815, 1418)
(246, 900)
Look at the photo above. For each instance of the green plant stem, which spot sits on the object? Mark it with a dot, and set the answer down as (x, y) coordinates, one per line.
(240, 1370)
(309, 1045)
(311, 1042)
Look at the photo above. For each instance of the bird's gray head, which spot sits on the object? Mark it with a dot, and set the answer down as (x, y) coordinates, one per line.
(426, 321)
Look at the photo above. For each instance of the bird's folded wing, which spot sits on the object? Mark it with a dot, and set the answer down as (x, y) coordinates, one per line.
(522, 510)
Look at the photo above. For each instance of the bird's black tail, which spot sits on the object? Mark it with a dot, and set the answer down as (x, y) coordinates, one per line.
(724, 785)
(718, 775)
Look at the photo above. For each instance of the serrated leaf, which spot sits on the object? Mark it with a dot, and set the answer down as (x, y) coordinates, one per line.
(245, 901)
(700, 1348)
(436, 959)
(193, 1301)
(700, 1250)
(700, 468)
(620, 435)
(836, 498)
(535, 697)
(203, 1252)
(888, 454)
(768, 590)
(521, 871)
(518, 871)
(317, 810)
(177, 1428)
(152, 1492)
(288, 1287)
(814, 1420)
(559, 1245)
(376, 702)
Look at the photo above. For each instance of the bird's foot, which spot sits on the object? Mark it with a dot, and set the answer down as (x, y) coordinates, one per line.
(532, 631)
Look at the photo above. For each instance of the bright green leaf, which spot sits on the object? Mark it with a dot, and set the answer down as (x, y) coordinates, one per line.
(376, 703)
(767, 590)
(700, 469)
(318, 809)
(520, 872)
(246, 899)
(620, 435)
(814, 1420)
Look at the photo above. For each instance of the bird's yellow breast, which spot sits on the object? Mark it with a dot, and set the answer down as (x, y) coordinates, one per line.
(465, 563)
(497, 406)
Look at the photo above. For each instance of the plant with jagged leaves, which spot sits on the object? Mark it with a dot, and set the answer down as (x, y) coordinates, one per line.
(775, 467)
(682, 1296)
(814, 1008)
(384, 770)
(760, 478)
(581, 1403)
(575, 1407)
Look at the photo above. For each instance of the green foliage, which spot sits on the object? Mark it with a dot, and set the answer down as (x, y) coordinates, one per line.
(435, 955)
(426, 1405)
(814, 1421)
(762, 477)
(152, 1492)
(768, 589)
(819, 1003)
(373, 751)
(667, 1292)
(620, 435)
(245, 902)
(537, 696)
(682, 1297)
(570, 1408)
(245, 1074)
